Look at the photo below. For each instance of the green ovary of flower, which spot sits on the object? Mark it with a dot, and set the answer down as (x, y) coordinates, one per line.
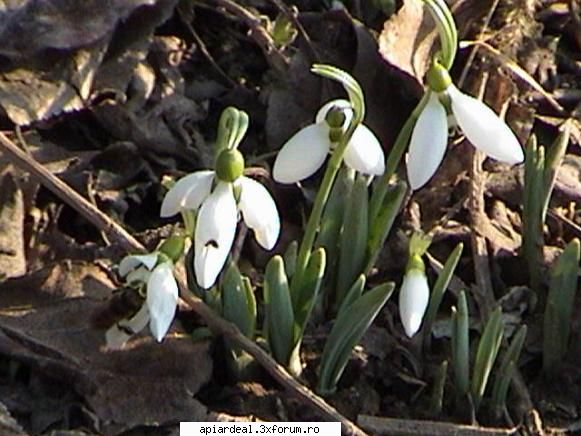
(229, 165)
(335, 117)
(335, 134)
(416, 263)
(438, 77)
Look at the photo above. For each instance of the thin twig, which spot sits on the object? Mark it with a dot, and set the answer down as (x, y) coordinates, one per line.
(258, 33)
(478, 220)
(217, 324)
(570, 224)
(474, 50)
(186, 17)
(476, 201)
(69, 195)
(300, 29)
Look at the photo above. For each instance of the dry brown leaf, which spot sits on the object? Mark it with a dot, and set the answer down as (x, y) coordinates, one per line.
(58, 24)
(55, 67)
(407, 39)
(146, 384)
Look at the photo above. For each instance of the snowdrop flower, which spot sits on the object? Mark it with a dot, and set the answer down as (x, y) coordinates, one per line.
(415, 292)
(214, 195)
(481, 125)
(304, 153)
(413, 300)
(155, 270)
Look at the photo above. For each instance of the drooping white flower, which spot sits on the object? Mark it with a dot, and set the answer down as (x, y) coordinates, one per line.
(160, 301)
(304, 153)
(413, 300)
(218, 216)
(481, 125)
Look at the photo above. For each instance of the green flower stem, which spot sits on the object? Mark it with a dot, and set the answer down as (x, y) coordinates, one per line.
(446, 29)
(189, 219)
(394, 158)
(356, 98)
(308, 240)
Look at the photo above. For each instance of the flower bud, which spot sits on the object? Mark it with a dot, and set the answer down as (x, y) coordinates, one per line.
(414, 296)
(229, 165)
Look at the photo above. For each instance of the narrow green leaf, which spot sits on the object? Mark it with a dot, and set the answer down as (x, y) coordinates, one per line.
(312, 279)
(353, 238)
(460, 345)
(559, 308)
(532, 210)
(236, 307)
(553, 161)
(346, 333)
(505, 371)
(290, 258)
(279, 318)
(439, 289)
(380, 224)
(251, 304)
(486, 355)
(332, 221)
(437, 397)
(353, 294)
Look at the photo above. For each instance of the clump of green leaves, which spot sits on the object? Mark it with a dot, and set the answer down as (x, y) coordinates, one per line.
(540, 173)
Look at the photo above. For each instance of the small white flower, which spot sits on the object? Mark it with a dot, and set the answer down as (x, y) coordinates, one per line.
(121, 332)
(413, 300)
(218, 216)
(160, 301)
(481, 125)
(304, 153)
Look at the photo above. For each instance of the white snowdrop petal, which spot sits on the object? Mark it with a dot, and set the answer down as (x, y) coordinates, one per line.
(364, 152)
(341, 104)
(200, 192)
(302, 155)
(187, 193)
(427, 144)
(413, 301)
(484, 128)
(214, 234)
(131, 262)
(259, 212)
(161, 300)
(138, 322)
(115, 338)
(121, 332)
(138, 275)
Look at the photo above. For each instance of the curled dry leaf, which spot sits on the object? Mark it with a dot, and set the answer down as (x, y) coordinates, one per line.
(408, 38)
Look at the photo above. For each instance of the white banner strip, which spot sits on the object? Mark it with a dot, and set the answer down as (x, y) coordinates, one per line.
(260, 428)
